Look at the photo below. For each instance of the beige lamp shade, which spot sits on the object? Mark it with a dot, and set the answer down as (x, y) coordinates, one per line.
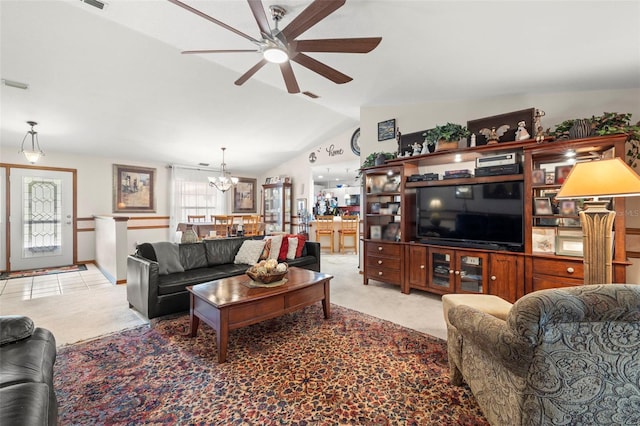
(603, 178)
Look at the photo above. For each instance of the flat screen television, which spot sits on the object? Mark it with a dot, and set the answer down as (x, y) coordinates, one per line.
(482, 215)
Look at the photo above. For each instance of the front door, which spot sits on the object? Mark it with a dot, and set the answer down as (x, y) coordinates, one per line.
(41, 218)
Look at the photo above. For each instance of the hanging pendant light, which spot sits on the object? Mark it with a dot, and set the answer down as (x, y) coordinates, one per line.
(32, 155)
(224, 181)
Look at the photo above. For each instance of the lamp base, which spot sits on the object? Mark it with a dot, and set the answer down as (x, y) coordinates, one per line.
(597, 226)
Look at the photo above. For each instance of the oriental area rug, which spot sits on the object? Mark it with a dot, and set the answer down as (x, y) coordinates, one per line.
(299, 369)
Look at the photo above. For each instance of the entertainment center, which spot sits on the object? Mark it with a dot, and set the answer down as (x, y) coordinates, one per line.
(499, 231)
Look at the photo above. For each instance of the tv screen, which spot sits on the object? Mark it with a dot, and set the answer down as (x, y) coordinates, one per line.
(471, 215)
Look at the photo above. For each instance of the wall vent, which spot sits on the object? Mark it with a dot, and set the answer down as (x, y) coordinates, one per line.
(95, 3)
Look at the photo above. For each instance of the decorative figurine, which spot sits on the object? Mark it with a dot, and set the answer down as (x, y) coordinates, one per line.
(522, 133)
(425, 148)
(416, 148)
(493, 135)
(473, 140)
(540, 134)
(398, 139)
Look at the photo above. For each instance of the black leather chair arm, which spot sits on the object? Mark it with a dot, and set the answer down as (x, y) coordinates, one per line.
(313, 249)
(142, 284)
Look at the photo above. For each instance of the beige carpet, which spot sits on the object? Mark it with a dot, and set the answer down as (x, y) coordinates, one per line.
(88, 314)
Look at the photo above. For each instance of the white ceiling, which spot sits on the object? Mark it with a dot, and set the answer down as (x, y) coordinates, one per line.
(113, 82)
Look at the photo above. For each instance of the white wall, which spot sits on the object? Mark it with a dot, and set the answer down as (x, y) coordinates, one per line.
(557, 106)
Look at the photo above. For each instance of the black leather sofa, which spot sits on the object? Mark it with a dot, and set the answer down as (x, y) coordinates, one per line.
(155, 295)
(27, 355)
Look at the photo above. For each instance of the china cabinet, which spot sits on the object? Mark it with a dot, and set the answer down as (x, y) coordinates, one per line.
(277, 208)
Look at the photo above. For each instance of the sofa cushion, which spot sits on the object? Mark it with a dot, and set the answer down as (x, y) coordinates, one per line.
(146, 250)
(178, 282)
(301, 243)
(168, 255)
(15, 327)
(293, 246)
(28, 360)
(276, 243)
(222, 251)
(249, 252)
(193, 256)
(26, 404)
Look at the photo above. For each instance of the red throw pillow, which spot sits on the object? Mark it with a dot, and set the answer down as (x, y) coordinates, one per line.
(282, 256)
(301, 241)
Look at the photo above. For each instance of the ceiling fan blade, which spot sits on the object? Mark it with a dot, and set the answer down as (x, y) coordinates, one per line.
(247, 75)
(190, 52)
(214, 20)
(338, 45)
(314, 13)
(261, 17)
(322, 69)
(289, 77)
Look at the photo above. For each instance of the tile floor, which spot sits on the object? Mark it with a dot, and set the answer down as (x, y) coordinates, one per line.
(28, 288)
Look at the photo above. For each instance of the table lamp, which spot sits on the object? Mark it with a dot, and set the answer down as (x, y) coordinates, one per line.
(595, 179)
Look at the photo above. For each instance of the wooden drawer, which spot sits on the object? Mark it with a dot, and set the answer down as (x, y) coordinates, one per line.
(383, 249)
(543, 282)
(381, 262)
(383, 274)
(558, 268)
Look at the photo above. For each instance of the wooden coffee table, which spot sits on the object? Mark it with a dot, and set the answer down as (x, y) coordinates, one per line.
(230, 303)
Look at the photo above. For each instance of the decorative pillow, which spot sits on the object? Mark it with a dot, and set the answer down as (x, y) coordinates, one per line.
(266, 250)
(146, 250)
(276, 243)
(250, 252)
(282, 256)
(14, 328)
(301, 240)
(168, 255)
(293, 245)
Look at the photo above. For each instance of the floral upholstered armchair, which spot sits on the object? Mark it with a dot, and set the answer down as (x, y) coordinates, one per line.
(562, 357)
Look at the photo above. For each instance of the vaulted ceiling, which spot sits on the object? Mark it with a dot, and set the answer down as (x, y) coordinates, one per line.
(113, 82)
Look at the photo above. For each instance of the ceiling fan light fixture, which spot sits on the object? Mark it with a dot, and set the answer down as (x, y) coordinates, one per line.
(276, 55)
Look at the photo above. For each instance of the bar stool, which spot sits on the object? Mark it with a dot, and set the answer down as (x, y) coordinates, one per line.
(349, 228)
(324, 228)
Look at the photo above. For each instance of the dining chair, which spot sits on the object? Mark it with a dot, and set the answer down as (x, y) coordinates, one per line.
(348, 228)
(196, 218)
(222, 220)
(324, 228)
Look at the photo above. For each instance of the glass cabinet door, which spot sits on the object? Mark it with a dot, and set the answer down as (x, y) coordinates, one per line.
(442, 269)
(277, 207)
(472, 271)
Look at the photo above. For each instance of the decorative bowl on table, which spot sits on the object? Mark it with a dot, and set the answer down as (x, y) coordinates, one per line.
(268, 271)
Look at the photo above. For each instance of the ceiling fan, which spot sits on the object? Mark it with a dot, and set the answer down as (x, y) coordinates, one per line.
(282, 47)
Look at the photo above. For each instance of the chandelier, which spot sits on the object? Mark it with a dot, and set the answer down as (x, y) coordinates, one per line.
(224, 181)
(32, 155)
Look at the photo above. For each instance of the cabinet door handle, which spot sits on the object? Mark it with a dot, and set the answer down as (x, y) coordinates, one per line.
(379, 248)
(421, 266)
(493, 277)
(457, 272)
(380, 273)
(451, 271)
(570, 270)
(379, 262)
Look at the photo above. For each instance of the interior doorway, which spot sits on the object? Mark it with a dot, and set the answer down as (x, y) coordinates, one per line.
(41, 217)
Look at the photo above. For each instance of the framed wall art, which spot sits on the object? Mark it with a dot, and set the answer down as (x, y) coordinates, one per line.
(543, 239)
(133, 189)
(387, 129)
(244, 196)
(569, 245)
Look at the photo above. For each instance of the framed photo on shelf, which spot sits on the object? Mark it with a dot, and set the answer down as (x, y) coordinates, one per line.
(386, 130)
(374, 207)
(561, 174)
(542, 206)
(375, 232)
(391, 186)
(538, 177)
(543, 239)
(569, 245)
(549, 178)
(464, 192)
(391, 232)
(133, 189)
(568, 208)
